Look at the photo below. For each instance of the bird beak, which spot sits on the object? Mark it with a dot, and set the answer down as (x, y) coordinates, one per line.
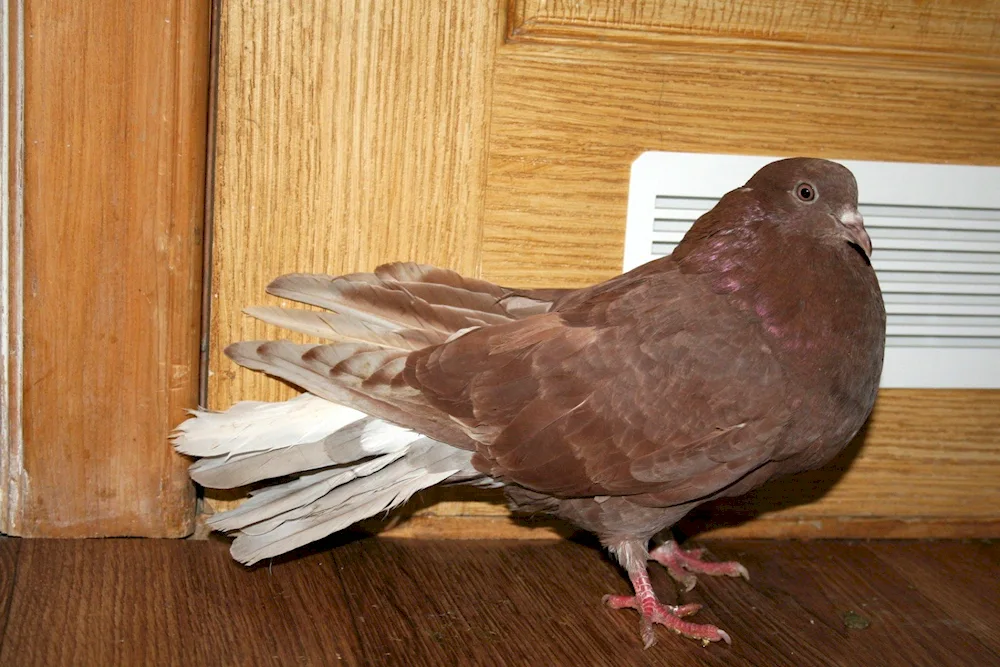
(854, 225)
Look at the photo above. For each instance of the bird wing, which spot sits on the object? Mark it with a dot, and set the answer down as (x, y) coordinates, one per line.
(402, 305)
(639, 386)
(372, 322)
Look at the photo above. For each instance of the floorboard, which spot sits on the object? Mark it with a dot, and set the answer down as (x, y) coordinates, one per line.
(950, 574)
(8, 574)
(358, 600)
(162, 602)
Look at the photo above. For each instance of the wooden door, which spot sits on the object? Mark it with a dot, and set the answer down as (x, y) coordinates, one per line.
(496, 137)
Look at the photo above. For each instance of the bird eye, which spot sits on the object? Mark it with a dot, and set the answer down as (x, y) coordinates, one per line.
(805, 192)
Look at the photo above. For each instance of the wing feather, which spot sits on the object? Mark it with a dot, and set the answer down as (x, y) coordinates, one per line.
(598, 398)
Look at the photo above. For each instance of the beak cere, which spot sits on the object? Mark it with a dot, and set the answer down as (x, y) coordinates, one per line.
(854, 226)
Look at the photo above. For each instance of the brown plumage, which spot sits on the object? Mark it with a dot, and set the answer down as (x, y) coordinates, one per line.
(754, 350)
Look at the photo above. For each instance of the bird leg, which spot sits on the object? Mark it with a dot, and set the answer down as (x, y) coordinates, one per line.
(644, 601)
(681, 562)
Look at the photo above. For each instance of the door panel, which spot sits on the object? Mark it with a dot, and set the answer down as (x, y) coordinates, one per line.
(334, 156)
(936, 33)
(349, 134)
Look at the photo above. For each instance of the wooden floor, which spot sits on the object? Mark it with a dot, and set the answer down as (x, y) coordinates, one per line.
(376, 601)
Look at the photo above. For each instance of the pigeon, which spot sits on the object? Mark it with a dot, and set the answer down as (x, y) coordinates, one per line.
(754, 350)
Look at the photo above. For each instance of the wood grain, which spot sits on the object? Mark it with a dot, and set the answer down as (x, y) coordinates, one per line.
(577, 92)
(421, 602)
(569, 121)
(803, 621)
(11, 256)
(936, 33)
(954, 566)
(158, 602)
(349, 133)
(9, 552)
(115, 126)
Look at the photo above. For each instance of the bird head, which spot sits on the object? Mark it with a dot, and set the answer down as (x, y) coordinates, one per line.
(816, 192)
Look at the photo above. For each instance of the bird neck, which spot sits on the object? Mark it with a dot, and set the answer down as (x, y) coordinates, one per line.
(805, 295)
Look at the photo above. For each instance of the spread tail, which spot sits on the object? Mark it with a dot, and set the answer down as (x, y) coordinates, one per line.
(340, 467)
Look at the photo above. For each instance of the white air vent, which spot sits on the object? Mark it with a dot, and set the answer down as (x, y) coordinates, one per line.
(936, 234)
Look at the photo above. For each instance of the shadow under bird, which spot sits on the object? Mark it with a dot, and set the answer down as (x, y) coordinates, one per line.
(754, 350)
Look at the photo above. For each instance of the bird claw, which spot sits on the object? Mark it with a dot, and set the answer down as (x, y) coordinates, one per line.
(629, 602)
(669, 616)
(680, 563)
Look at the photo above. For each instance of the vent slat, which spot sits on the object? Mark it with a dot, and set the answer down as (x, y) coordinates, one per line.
(934, 309)
(926, 267)
(989, 279)
(700, 203)
(983, 300)
(939, 288)
(948, 319)
(957, 225)
(970, 246)
(942, 331)
(681, 215)
(938, 343)
(951, 214)
(667, 239)
(931, 234)
(885, 266)
(668, 225)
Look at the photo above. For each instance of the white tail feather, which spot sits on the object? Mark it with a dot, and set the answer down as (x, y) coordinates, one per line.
(254, 426)
(282, 499)
(345, 467)
(426, 463)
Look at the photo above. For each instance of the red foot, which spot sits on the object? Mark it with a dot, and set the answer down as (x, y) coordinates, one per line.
(670, 616)
(680, 562)
(628, 602)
